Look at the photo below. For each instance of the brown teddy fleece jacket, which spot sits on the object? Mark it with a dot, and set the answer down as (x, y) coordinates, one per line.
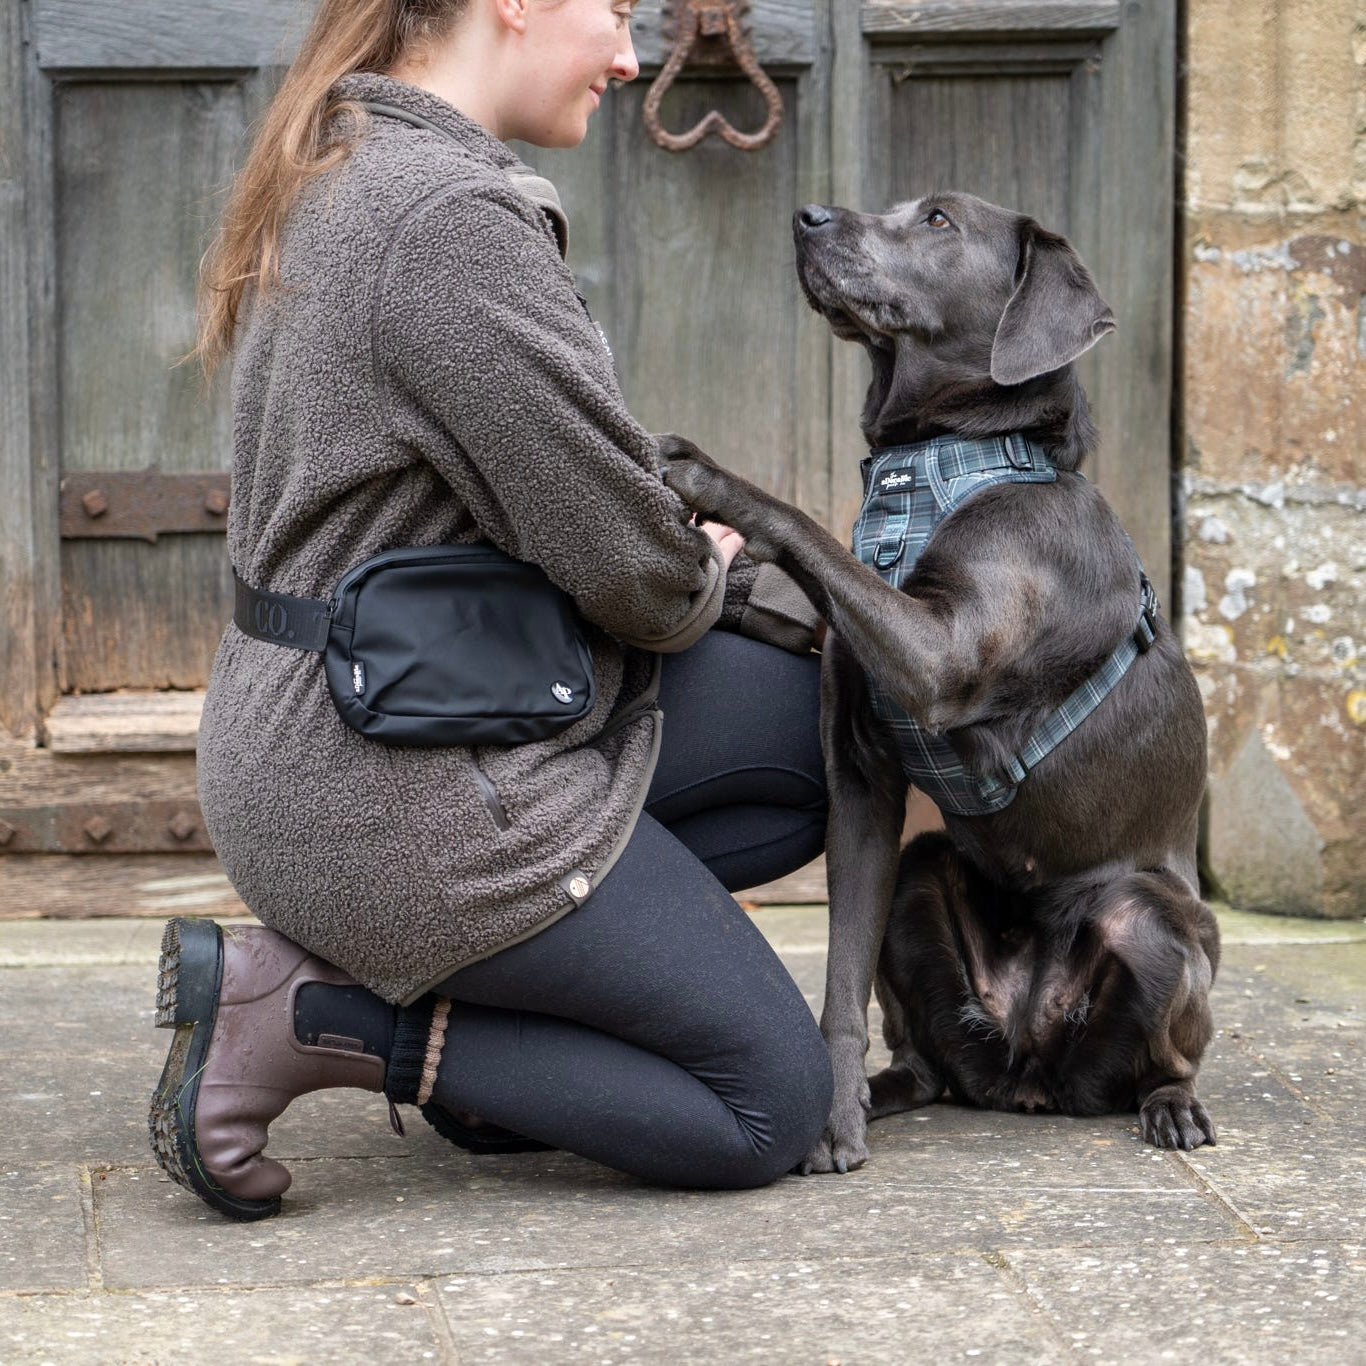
(427, 374)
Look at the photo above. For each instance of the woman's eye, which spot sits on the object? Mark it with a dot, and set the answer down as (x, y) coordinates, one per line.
(938, 220)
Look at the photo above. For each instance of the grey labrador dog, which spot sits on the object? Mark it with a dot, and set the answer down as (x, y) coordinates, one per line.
(1052, 954)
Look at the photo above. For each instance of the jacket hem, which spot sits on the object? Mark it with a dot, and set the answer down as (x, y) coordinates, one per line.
(613, 854)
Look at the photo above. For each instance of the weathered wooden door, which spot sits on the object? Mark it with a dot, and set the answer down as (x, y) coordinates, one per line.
(119, 126)
(121, 123)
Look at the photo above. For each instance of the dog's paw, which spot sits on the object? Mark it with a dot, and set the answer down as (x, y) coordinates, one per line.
(673, 448)
(905, 1087)
(714, 493)
(842, 1147)
(1172, 1118)
(699, 483)
(836, 1152)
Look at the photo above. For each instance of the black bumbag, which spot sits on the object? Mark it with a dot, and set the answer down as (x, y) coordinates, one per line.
(439, 645)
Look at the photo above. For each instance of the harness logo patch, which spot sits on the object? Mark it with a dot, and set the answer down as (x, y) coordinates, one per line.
(897, 479)
(357, 678)
(562, 692)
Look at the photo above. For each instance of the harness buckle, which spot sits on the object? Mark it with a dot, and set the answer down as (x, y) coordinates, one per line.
(1146, 630)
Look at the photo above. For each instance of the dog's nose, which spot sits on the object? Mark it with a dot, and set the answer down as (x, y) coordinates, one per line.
(813, 216)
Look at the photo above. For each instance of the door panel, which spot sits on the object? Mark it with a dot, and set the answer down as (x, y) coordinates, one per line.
(1063, 111)
(139, 167)
(143, 35)
(687, 263)
(1002, 138)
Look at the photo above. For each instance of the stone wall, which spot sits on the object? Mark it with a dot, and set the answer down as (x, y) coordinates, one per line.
(1273, 531)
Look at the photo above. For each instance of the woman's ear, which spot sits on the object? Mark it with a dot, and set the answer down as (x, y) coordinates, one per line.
(1055, 314)
(512, 13)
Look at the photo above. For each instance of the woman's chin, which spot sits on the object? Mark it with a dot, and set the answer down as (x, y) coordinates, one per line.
(568, 134)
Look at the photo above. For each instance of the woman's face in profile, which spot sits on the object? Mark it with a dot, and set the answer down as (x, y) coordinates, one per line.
(572, 50)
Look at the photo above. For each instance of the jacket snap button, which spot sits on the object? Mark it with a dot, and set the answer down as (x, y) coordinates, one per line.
(578, 888)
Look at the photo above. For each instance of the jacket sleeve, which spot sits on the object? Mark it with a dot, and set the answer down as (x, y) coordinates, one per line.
(765, 603)
(492, 368)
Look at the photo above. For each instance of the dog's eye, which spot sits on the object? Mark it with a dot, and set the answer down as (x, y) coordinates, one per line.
(936, 219)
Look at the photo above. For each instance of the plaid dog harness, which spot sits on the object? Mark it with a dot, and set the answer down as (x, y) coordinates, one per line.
(907, 492)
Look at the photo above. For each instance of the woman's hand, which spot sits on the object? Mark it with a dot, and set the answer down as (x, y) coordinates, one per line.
(730, 540)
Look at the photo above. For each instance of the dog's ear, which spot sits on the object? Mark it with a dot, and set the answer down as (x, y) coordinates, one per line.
(1055, 314)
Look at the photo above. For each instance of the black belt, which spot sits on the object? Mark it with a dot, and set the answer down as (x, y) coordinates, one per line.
(279, 618)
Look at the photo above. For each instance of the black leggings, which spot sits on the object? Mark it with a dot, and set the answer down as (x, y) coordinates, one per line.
(653, 1029)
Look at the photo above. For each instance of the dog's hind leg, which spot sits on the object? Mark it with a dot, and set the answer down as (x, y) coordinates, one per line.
(910, 1081)
(1165, 941)
(867, 804)
(954, 987)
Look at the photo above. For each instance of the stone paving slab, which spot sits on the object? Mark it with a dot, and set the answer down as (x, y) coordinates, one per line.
(70, 944)
(94, 1110)
(1264, 1303)
(360, 1325)
(79, 1012)
(42, 1229)
(893, 1309)
(956, 1181)
(1313, 985)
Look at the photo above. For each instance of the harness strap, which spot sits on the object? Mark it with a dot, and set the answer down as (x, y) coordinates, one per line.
(1075, 709)
(302, 623)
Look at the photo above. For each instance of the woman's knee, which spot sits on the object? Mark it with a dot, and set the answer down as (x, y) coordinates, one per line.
(786, 1112)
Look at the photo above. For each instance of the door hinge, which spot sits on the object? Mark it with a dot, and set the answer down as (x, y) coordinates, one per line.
(104, 828)
(142, 504)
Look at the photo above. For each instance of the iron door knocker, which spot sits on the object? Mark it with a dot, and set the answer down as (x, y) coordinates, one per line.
(717, 24)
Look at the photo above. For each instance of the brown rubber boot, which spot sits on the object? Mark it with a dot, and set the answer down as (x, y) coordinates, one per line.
(235, 1063)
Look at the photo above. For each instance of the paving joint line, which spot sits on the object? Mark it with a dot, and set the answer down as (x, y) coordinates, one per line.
(90, 1228)
(1211, 1192)
(1250, 1051)
(1019, 1289)
(1285, 1079)
(437, 1318)
(994, 1257)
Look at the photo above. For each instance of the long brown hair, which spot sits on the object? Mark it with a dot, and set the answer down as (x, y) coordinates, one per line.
(293, 145)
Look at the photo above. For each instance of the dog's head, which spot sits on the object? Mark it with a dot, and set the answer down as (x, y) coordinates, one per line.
(972, 315)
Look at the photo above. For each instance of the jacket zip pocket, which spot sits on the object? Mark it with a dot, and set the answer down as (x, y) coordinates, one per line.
(490, 795)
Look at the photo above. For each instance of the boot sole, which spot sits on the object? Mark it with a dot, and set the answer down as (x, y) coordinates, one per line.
(189, 978)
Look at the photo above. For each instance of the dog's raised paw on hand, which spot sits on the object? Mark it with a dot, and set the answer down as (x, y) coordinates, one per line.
(673, 447)
(695, 477)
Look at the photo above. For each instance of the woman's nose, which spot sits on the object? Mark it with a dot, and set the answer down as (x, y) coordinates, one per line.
(625, 67)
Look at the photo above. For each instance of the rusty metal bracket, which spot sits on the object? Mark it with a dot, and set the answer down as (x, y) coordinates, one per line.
(104, 828)
(709, 31)
(142, 504)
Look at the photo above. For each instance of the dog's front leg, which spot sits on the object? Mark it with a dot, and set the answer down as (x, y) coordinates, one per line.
(913, 652)
(867, 805)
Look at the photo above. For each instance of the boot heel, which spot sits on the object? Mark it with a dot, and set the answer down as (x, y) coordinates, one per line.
(189, 972)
